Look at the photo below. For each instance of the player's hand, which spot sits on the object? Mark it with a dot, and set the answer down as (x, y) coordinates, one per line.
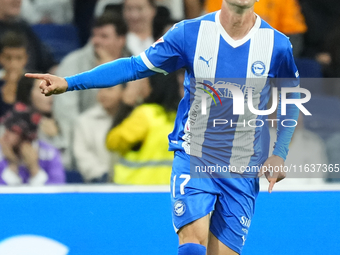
(50, 84)
(273, 170)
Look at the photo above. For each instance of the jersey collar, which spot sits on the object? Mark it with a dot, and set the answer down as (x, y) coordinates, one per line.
(231, 41)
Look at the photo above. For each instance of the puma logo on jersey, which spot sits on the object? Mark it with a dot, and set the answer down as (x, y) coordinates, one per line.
(206, 61)
(174, 27)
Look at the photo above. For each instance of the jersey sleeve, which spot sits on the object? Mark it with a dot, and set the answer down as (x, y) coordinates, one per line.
(288, 76)
(167, 54)
(164, 56)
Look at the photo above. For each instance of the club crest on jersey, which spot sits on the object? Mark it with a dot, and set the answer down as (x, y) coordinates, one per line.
(258, 68)
(160, 40)
(179, 208)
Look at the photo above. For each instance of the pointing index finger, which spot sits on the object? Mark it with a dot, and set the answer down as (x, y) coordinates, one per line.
(36, 76)
(271, 185)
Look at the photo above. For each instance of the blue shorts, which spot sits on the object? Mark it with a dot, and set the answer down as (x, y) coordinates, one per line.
(232, 201)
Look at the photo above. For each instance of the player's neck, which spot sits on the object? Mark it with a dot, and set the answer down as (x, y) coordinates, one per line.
(237, 22)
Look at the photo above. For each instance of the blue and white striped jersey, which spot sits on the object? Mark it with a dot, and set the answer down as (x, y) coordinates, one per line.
(211, 56)
(213, 60)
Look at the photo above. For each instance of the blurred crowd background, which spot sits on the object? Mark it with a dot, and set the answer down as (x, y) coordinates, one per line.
(119, 134)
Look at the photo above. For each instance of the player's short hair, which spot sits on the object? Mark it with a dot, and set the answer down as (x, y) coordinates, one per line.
(12, 39)
(111, 18)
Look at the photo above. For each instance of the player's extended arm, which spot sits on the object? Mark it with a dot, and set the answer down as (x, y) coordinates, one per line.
(103, 76)
(164, 56)
(284, 134)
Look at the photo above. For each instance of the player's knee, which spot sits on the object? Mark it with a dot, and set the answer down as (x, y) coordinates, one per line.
(197, 238)
(196, 232)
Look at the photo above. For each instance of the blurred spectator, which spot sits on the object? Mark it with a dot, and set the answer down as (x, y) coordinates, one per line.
(83, 18)
(47, 11)
(180, 79)
(13, 59)
(195, 8)
(330, 59)
(139, 16)
(146, 128)
(108, 5)
(29, 93)
(167, 26)
(107, 43)
(176, 8)
(40, 58)
(161, 19)
(134, 94)
(23, 159)
(284, 16)
(322, 18)
(212, 5)
(93, 160)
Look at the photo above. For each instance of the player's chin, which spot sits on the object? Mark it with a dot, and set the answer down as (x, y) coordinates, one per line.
(244, 3)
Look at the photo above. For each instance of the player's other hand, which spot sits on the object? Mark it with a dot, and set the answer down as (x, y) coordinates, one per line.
(273, 169)
(50, 84)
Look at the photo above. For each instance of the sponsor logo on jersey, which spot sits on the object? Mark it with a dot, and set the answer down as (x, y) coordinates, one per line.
(244, 239)
(211, 95)
(245, 221)
(179, 208)
(174, 27)
(258, 68)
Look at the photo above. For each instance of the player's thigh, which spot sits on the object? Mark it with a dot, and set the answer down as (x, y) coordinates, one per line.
(192, 200)
(233, 212)
(216, 247)
(195, 232)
